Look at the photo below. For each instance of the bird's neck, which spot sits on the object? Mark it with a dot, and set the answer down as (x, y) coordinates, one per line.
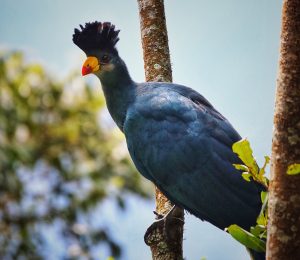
(119, 89)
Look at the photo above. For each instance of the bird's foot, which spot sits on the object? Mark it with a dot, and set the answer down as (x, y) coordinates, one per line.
(165, 223)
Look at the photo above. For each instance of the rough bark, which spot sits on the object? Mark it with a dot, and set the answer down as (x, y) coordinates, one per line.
(284, 200)
(158, 68)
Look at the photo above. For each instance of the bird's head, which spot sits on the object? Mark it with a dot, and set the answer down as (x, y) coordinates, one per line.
(98, 41)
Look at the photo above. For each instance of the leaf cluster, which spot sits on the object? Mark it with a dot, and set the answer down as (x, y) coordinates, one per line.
(256, 237)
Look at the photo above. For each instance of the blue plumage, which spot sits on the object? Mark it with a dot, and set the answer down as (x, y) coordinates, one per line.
(176, 139)
(184, 147)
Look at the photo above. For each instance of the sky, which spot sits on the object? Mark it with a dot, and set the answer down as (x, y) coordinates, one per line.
(227, 50)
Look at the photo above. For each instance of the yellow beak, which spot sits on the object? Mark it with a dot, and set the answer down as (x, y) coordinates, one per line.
(90, 65)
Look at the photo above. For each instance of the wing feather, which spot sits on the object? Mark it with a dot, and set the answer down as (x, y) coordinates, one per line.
(184, 147)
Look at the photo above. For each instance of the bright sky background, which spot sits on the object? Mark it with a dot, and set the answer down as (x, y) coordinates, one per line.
(227, 50)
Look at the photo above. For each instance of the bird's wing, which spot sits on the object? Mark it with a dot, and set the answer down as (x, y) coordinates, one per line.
(183, 145)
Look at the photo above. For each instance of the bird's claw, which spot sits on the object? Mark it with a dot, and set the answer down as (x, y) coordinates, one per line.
(164, 223)
(157, 215)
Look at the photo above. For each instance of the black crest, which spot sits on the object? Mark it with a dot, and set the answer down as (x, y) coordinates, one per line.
(95, 36)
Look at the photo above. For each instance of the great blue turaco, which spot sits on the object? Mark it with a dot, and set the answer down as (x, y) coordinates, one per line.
(175, 137)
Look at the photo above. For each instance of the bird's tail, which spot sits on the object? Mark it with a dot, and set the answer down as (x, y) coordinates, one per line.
(256, 255)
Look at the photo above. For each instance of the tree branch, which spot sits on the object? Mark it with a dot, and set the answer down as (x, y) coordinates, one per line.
(158, 68)
(284, 199)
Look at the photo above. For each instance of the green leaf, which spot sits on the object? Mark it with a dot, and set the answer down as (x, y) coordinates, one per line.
(261, 219)
(246, 238)
(243, 150)
(241, 167)
(293, 169)
(263, 196)
(257, 230)
(246, 176)
(264, 235)
(263, 169)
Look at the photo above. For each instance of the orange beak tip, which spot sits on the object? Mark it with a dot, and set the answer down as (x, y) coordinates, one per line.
(86, 70)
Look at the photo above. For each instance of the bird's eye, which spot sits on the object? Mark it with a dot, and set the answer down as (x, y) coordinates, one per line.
(105, 58)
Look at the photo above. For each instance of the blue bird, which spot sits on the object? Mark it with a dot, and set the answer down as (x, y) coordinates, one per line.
(175, 137)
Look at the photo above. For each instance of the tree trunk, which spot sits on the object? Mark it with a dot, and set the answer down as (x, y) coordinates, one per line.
(284, 200)
(158, 68)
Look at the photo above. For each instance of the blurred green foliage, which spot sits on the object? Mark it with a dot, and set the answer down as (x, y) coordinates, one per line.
(58, 162)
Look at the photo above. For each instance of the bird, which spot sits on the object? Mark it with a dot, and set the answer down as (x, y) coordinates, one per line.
(174, 135)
